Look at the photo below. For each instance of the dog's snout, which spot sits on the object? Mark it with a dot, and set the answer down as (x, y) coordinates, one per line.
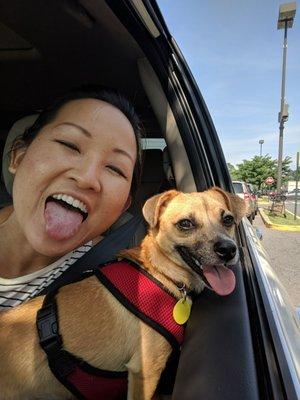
(225, 249)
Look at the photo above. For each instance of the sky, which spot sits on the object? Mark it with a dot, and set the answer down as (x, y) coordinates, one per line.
(234, 51)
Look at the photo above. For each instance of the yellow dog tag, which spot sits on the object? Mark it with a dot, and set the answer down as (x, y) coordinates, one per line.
(182, 311)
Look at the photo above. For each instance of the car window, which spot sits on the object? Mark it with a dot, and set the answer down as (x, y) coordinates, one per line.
(153, 143)
(238, 187)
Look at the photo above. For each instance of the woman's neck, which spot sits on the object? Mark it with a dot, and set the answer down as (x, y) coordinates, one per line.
(17, 257)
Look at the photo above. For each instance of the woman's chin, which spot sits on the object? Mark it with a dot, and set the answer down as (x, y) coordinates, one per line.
(50, 246)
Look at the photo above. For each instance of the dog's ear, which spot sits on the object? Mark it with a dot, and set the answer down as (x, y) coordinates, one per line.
(234, 203)
(154, 206)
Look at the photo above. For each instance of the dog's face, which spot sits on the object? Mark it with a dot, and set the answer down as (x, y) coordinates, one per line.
(196, 230)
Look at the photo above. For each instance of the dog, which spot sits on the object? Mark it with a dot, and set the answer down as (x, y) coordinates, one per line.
(190, 241)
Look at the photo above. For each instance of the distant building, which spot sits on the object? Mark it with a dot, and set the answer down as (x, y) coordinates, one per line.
(291, 185)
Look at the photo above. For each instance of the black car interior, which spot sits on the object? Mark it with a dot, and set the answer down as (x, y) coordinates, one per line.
(49, 47)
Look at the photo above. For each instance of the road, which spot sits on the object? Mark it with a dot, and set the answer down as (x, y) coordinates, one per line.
(283, 249)
(290, 205)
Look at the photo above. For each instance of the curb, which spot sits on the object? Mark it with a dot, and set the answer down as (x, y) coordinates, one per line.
(269, 224)
(292, 213)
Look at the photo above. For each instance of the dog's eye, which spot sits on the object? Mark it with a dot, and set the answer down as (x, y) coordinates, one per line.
(185, 224)
(228, 220)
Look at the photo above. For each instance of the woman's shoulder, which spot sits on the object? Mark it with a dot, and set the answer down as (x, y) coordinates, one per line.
(15, 291)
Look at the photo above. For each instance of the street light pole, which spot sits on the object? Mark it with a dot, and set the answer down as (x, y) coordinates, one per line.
(261, 142)
(281, 119)
(285, 20)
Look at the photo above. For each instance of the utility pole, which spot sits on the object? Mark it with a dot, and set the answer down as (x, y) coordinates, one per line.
(285, 20)
(261, 142)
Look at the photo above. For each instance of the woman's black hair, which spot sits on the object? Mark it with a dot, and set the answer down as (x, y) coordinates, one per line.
(108, 95)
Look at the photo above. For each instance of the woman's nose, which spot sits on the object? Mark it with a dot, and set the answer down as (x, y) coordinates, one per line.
(87, 175)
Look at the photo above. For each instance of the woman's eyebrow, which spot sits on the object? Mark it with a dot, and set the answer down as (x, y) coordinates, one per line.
(120, 151)
(83, 130)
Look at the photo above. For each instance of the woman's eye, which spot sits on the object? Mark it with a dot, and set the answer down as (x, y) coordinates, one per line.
(69, 145)
(185, 224)
(228, 220)
(116, 170)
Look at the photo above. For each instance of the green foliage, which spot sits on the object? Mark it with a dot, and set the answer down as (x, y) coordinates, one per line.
(257, 169)
(286, 170)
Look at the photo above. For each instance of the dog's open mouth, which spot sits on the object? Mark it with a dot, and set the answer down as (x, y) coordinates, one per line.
(216, 277)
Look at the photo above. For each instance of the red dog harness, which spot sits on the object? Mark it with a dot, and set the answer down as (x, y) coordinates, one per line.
(139, 292)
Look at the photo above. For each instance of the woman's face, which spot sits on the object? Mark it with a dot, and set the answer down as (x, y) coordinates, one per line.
(86, 153)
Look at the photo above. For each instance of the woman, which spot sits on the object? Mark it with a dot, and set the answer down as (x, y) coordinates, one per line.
(74, 172)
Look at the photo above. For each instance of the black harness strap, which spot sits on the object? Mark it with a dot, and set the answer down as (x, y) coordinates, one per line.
(61, 362)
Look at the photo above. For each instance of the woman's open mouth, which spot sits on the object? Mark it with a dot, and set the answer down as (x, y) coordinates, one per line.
(216, 277)
(63, 216)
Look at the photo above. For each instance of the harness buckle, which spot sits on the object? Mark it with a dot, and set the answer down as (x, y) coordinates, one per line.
(60, 361)
(47, 326)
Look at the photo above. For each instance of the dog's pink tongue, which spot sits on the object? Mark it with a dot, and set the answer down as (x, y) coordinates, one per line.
(61, 223)
(220, 278)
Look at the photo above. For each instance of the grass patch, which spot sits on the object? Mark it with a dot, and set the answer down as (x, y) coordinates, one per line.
(262, 201)
(280, 220)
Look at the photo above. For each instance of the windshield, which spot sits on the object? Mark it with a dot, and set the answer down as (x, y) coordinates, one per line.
(238, 187)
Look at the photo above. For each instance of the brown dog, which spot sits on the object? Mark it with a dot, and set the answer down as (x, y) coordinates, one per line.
(190, 241)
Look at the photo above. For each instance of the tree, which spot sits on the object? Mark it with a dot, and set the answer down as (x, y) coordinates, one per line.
(256, 170)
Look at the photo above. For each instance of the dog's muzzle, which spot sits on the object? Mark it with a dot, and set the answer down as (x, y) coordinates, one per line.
(192, 262)
(216, 276)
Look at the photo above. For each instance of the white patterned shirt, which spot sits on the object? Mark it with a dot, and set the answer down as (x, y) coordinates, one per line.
(15, 291)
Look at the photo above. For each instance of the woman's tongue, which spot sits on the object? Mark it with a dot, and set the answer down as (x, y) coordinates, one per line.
(61, 223)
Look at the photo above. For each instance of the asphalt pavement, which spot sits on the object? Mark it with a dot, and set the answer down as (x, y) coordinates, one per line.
(283, 249)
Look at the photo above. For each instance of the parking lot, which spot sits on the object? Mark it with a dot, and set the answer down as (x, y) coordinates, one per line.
(283, 250)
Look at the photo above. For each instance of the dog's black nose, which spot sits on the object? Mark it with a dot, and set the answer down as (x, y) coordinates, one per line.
(225, 249)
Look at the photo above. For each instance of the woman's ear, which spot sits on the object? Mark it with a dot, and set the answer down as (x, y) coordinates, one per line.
(17, 154)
